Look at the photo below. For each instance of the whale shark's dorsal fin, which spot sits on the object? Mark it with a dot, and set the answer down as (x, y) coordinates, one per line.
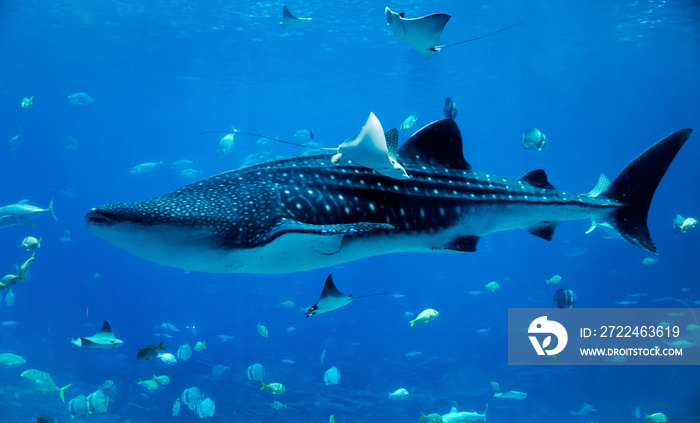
(537, 178)
(331, 299)
(438, 143)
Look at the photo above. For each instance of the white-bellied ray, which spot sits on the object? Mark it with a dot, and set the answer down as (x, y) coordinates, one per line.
(422, 34)
(103, 339)
(332, 299)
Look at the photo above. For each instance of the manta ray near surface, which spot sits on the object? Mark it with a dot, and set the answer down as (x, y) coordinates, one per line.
(307, 212)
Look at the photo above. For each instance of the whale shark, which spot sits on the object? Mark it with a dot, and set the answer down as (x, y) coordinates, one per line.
(308, 212)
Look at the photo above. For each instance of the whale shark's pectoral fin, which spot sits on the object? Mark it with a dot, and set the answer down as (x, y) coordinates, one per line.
(465, 243)
(287, 226)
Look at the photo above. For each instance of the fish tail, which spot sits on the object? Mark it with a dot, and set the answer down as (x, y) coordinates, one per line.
(50, 209)
(263, 385)
(634, 188)
(646, 416)
(413, 322)
(62, 390)
(485, 410)
(422, 416)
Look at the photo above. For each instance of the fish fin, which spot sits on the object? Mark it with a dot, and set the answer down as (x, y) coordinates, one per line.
(537, 178)
(600, 186)
(465, 243)
(62, 390)
(438, 143)
(106, 329)
(594, 225)
(50, 209)
(292, 226)
(392, 143)
(23, 201)
(544, 230)
(634, 188)
(160, 346)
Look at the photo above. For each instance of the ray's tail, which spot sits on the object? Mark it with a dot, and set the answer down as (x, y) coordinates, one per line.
(634, 187)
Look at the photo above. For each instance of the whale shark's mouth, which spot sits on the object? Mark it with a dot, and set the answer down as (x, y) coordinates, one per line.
(97, 217)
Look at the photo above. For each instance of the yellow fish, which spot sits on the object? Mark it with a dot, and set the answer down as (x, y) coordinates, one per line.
(492, 286)
(26, 102)
(425, 316)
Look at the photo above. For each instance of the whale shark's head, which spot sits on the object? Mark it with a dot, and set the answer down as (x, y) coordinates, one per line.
(169, 231)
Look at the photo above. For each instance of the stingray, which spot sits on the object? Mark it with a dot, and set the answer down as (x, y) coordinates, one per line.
(332, 299)
(371, 147)
(290, 21)
(422, 34)
(103, 339)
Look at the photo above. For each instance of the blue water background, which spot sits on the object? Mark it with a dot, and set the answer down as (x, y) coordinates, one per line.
(603, 80)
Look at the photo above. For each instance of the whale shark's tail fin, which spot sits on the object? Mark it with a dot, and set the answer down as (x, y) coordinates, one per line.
(634, 188)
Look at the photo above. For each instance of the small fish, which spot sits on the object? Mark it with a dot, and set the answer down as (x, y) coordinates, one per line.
(408, 123)
(145, 167)
(278, 405)
(189, 172)
(496, 387)
(287, 304)
(8, 323)
(225, 144)
(656, 417)
(291, 329)
(425, 316)
(450, 109)
(275, 388)
(184, 352)
(8, 280)
(80, 99)
(492, 286)
(256, 372)
(288, 361)
(26, 102)
(65, 237)
(476, 292)
(220, 369)
(331, 419)
(484, 330)
(262, 330)
(147, 352)
(30, 243)
(564, 298)
(168, 326)
(225, 338)
(44, 383)
(400, 393)
(510, 395)
(24, 268)
(148, 384)
(176, 407)
(22, 213)
(10, 299)
(163, 379)
(332, 376)
(167, 358)
(14, 142)
(413, 354)
(553, 279)
(323, 356)
(433, 417)
(626, 302)
(681, 224)
(183, 164)
(206, 408)
(534, 139)
(584, 411)
(199, 346)
(692, 327)
(397, 295)
(11, 360)
(408, 314)
(649, 261)
(303, 133)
